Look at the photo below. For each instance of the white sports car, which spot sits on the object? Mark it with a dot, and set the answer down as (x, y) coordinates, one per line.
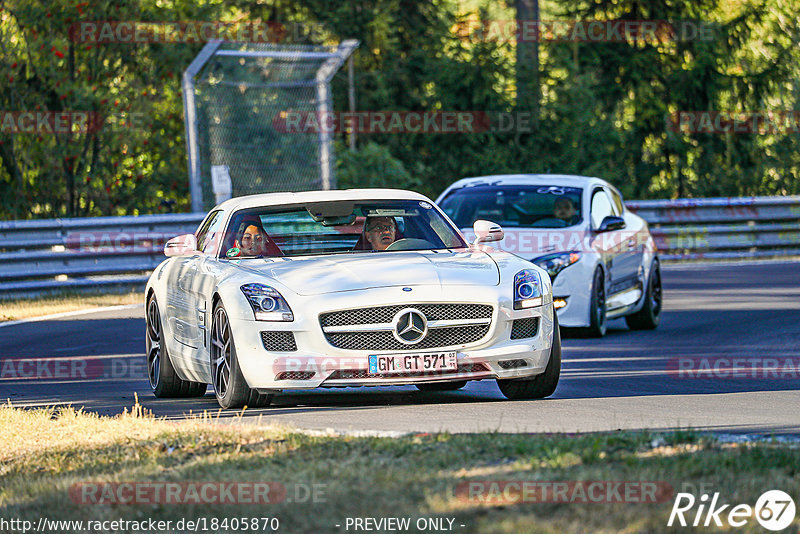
(345, 288)
(601, 258)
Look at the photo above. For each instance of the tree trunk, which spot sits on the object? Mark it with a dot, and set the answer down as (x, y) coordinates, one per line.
(528, 57)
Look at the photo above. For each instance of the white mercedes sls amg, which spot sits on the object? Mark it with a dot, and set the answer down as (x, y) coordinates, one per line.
(288, 291)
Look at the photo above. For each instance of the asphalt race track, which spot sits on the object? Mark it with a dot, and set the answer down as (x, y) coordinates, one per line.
(744, 318)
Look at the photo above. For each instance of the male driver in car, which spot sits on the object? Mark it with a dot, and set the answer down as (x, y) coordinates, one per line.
(380, 232)
(564, 209)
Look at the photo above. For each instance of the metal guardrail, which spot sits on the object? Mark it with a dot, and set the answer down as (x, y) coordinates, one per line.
(102, 252)
(85, 254)
(723, 228)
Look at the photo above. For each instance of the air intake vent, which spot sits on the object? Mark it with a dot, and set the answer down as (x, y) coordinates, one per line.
(513, 364)
(295, 375)
(363, 373)
(525, 328)
(278, 341)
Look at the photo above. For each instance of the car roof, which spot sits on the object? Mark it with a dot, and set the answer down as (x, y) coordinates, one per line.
(566, 180)
(278, 199)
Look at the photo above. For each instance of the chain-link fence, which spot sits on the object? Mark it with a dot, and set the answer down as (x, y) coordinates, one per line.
(235, 96)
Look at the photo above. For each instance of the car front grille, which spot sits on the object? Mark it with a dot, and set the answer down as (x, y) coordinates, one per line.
(279, 341)
(449, 325)
(470, 368)
(525, 328)
(384, 314)
(378, 341)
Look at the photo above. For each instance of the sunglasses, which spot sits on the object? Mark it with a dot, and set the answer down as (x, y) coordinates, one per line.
(381, 228)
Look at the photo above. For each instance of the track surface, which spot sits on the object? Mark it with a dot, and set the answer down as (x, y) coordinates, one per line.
(628, 380)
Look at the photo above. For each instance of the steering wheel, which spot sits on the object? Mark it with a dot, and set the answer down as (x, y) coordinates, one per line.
(410, 243)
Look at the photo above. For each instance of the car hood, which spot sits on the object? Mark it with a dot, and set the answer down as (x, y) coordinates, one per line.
(318, 275)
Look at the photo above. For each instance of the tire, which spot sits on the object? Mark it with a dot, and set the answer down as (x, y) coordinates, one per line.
(598, 323)
(442, 386)
(650, 315)
(164, 381)
(539, 386)
(230, 387)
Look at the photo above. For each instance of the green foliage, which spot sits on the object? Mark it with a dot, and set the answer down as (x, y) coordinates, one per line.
(372, 166)
(604, 108)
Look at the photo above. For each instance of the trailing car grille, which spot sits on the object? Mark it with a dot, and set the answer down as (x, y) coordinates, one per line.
(295, 375)
(383, 340)
(373, 328)
(512, 364)
(523, 328)
(470, 368)
(279, 341)
(384, 314)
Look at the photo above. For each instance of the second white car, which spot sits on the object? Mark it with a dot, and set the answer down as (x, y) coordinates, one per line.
(600, 256)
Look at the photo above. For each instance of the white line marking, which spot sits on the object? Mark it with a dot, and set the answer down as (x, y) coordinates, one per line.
(72, 313)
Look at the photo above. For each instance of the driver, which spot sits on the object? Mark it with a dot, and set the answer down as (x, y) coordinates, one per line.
(564, 209)
(380, 232)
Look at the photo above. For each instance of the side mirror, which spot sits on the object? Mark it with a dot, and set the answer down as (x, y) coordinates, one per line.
(183, 245)
(612, 222)
(486, 231)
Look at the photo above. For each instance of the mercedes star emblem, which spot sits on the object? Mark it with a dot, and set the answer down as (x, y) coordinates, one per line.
(410, 326)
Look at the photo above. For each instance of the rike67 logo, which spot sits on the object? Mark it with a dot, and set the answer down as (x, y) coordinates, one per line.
(774, 510)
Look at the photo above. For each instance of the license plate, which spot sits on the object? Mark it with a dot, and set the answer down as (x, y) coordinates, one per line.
(412, 363)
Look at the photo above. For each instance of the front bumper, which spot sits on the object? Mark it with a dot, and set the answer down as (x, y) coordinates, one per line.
(316, 363)
(574, 284)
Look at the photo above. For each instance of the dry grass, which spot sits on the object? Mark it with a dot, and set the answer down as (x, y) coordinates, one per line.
(12, 310)
(46, 452)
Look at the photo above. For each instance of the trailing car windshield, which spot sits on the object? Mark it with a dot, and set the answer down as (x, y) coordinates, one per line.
(514, 206)
(336, 228)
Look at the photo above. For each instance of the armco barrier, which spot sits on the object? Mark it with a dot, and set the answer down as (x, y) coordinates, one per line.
(97, 253)
(85, 254)
(723, 228)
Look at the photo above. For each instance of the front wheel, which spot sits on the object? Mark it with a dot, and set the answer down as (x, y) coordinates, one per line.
(230, 387)
(650, 315)
(164, 381)
(539, 386)
(597, 308)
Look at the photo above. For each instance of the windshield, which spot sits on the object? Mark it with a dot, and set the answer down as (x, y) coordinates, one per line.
(337, 228)
(515, 206)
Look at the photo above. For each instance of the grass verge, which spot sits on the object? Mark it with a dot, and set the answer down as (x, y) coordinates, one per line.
(47, 458)
(13, 310)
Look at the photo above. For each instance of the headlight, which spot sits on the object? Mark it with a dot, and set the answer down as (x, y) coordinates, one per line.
(527, 289)
(555, 263)
(267, 303)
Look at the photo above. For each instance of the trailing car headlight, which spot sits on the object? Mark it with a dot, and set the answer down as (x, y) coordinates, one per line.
(267, 303)
(555, 263)
(527, 289)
